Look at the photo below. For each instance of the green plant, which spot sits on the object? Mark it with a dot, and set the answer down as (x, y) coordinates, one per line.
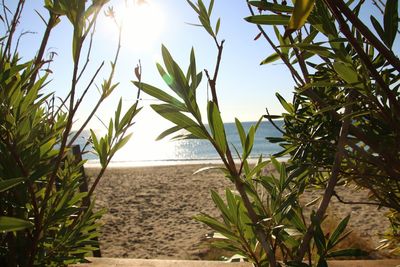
(346, 96)
(44, 218)
(263, 216)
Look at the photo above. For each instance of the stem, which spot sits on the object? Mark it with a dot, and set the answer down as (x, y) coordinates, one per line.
(93, 111)
(212, 82)
(38, 61)
(230, 165)
(364, 30)
(14, 24)
(355, 202)
(330, 189)
(296, 77)
(363, 56)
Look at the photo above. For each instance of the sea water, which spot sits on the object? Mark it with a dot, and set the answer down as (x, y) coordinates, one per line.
(142, 151)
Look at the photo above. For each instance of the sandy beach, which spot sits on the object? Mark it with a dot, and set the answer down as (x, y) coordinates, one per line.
(150, 211)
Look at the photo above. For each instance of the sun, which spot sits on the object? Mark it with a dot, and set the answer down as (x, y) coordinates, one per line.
(142, 23)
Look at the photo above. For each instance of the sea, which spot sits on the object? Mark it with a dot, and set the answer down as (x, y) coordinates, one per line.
(143, 150)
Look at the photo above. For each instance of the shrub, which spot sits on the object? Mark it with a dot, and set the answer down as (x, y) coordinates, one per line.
(340, 128)
(44, 218)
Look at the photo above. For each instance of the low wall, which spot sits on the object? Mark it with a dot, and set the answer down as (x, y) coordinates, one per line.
(115, 262)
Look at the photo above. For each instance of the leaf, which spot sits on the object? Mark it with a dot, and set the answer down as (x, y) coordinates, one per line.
(333, 240)
(209, 168)
(216, 225)
(270, 59)
(160, 95)
(288, 107)
(10, 183)
(173, 115)
(350, 252)
(378, 28)
(302, 9)
(217, 26)
(257, 168)
(390, 21)
(241, 132)
(168, 132)
(9, 224)
(346, 72)
(210, 8)
(264, 5)
(268, 19)
(248, 146)
(217, 126)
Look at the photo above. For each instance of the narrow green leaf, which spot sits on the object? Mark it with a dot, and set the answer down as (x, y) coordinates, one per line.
(10, 183)
(10, 224)
(168, 132)
(338, 232)
(209, 168)
(249, 143)
(117, 115)
(194, 7)
(350, 252)
(378, 28)
(160, 95)
(302, 9)
(346, 72)
(172, 114)
(391, 21)
(270, 59)
(217, 26)
(241, 132)
(210, 8)
(221, 206)
(217, 126)
(264, 5)
(268, 19)
(287, 106)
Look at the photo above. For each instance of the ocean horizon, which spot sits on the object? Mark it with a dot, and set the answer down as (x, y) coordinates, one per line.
(149, 152)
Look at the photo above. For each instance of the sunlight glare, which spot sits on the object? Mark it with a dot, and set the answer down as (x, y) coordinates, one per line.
(142, 22)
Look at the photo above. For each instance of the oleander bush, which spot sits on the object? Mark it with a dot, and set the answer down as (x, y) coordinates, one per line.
(45, 219)
(341, 128)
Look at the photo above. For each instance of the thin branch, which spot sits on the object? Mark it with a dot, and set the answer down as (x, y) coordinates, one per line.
(93, 110)
(12, 28)
(301, 61)
(5, 10)
(364, 30)
(212, 82)
(304, 246)
(363, 56)
(335, 194)
(88, 53)
(296, 77)
(38, 61)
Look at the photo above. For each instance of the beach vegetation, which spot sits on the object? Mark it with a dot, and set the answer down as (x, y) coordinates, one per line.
(341, 128)
(45, 219)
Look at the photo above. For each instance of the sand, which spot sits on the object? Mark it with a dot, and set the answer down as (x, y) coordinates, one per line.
(150, 211)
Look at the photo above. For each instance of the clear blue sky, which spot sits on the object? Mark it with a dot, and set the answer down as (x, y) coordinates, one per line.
(245, 88)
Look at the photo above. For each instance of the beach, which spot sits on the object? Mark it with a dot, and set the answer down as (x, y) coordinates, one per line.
(150, 211)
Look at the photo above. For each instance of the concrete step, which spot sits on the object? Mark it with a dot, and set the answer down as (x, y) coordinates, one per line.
(116, 262)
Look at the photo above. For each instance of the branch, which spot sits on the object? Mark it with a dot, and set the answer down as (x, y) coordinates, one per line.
(14, 23)
(344, 9)
(38, 61)
(363, 56)
(330, 189)
(212, 82)
(355, 202)
(296, 77)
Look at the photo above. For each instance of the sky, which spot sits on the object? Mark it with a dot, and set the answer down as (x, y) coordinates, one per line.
(245, 88)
